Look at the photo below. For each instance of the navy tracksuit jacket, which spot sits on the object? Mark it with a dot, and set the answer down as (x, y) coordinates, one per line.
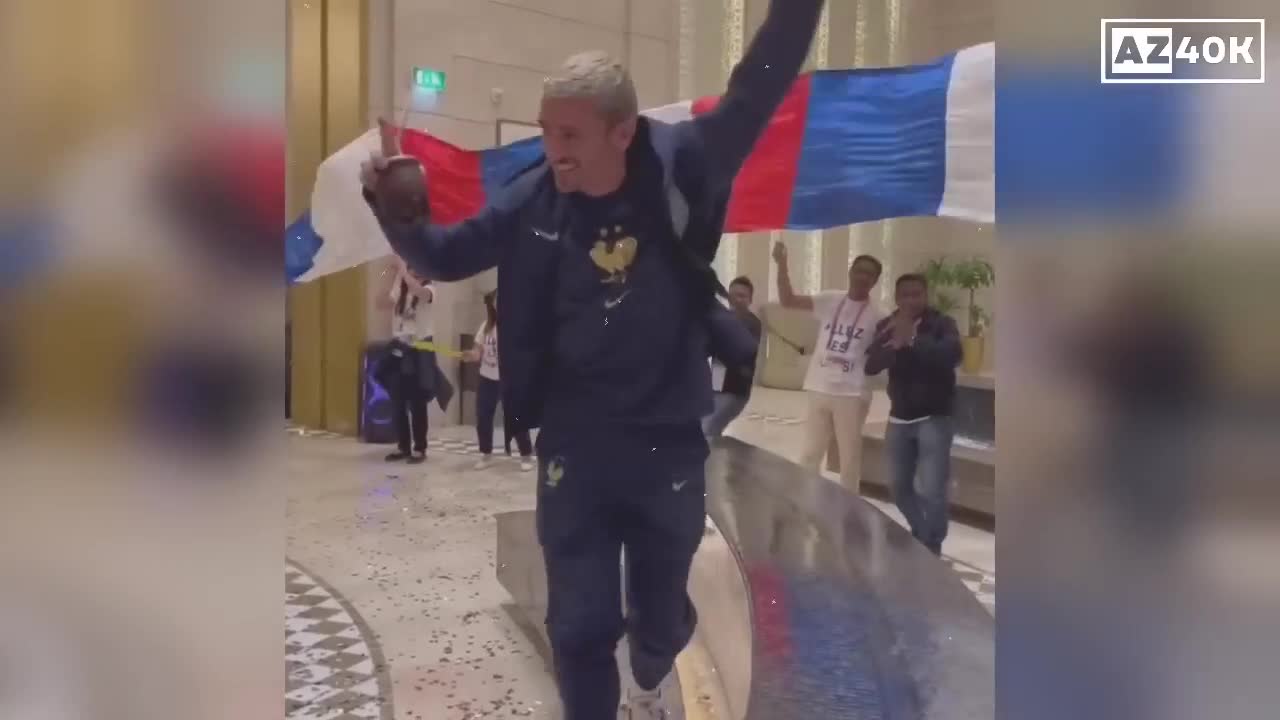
(608, 315)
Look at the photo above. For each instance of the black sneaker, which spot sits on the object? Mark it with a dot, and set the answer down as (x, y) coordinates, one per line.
(417, 458)
(397, 456)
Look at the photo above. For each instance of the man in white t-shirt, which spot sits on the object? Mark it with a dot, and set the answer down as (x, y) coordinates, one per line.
(836, 382)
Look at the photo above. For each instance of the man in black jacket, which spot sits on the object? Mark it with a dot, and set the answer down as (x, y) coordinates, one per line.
(920, 347)
(732, 385)
(607, 320)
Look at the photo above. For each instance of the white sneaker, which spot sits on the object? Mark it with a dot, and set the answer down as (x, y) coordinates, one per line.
(485, 462)
(526, 465)
(644, 705)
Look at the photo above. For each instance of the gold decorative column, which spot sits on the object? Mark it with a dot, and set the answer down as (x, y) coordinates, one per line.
(893, 30)
(735, 13)
(305, 150)
(328, 91)
(889, 228)
(860, 34)
(686, 37)
(820, 58)
(876, 31)
(346, 101)
(858, 234)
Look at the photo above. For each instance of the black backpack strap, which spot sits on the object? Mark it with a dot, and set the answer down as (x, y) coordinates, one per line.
(729, 341)
(664, 143)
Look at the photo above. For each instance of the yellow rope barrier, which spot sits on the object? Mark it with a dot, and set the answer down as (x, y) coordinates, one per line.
(437, 349)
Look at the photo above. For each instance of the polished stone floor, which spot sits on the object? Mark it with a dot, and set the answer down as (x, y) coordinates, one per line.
(391, 595)
(411, 549)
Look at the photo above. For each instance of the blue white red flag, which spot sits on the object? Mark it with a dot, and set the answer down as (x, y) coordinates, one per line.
(845, 147)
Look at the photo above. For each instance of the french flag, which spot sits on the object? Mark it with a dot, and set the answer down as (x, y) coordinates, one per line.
(845, 146)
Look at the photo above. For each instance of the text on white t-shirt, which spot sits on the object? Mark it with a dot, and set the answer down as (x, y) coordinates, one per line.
(488, 342)
(845, 332)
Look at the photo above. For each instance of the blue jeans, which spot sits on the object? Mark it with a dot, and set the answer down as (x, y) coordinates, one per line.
(488, 394)
(920, 474)
(727, 408)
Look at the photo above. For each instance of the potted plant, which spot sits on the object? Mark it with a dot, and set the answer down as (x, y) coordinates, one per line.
(974, 274)
(940, 275)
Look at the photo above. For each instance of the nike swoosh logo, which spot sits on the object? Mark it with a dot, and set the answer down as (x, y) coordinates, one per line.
(549, 237)
(612, 303)
(679, 486)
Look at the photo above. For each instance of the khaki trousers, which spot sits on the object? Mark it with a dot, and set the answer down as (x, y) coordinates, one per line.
(843, 417)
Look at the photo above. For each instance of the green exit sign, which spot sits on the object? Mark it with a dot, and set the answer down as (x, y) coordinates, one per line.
(428, 79)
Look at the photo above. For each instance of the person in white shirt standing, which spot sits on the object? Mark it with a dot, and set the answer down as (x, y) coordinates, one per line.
(409, 298)
(839, 397)
(485, 353)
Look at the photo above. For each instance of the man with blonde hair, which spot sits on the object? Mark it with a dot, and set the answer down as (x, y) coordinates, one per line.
(604, 249)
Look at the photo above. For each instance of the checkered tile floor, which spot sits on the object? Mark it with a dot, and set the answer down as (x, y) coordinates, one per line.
(444, 443)
(981, 584)
(463, 446)
(307, 432)
(332, 671)
(455, 446)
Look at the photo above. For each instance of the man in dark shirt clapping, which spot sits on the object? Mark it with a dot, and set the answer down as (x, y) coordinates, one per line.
(920, 347)
(733, 385)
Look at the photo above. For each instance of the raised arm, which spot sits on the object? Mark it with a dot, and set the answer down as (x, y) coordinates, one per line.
(397, 193)
(421, 290)
(786, 295)
(447, 252)
(758, 85)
